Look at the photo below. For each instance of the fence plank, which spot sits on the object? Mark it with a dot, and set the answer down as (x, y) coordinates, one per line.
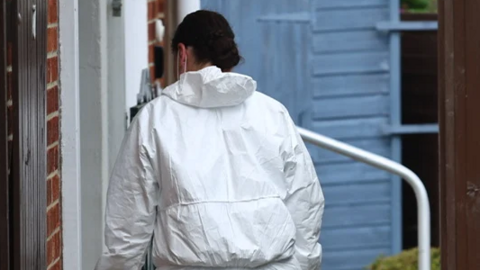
(459, 80)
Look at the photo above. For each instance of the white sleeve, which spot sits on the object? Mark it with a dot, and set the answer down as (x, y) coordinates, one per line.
(131, 205)
(305, 201)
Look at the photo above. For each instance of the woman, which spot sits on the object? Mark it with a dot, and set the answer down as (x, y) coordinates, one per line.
(214, 171)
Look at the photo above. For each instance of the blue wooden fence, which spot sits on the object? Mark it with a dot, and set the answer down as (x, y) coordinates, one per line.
(338, 75)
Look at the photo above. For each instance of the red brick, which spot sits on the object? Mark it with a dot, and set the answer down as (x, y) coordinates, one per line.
(160, 6)
(54, 245)
(56, 266)
(52, 100)
(52, 160)
(52, 11)
(52, 39)
(53, 130)
(151, 31)
(49, 191)
(162, 80)
(152, 74)
(152, 10)
(54, 248)
(151, 54)
(52, 72)
(55, 188)
(53, 219)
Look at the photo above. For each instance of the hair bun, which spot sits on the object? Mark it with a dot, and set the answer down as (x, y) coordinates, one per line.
(224, 52)
(211, 37)
(216, 35)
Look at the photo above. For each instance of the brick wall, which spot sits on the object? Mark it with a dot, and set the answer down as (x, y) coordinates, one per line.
(156, 10)
(54, 212)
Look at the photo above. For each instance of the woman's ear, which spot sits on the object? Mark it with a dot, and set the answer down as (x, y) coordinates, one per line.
(182, 53)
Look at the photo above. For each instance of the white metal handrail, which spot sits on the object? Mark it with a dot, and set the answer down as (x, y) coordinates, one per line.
(394, 168)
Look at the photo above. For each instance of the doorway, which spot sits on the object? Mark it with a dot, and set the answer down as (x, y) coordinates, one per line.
(419, 106)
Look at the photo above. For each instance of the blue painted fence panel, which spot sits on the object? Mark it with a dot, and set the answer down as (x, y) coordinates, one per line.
(349, 19)
(288, 83)
(363, 40)
(347, 4)
(350, 107)
(351, 85)
(375, 145)
(344, 173)
(356, 237)
(267, 48)
(345, 194)
(352, 128)
(333, 74)
(348, 63)
(243, 15)
(351, 76)
(356, 215)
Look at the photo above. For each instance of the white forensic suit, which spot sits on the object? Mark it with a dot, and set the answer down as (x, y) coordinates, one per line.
(219, 176)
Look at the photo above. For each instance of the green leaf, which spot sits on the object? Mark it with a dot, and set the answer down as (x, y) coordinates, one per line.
(406, 260)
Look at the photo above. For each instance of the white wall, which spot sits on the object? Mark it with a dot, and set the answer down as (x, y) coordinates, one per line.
(185, 7)
(116, 85)
(136, 42)
(113, 51)
(127, 57)
(93, 124)
(70, 130)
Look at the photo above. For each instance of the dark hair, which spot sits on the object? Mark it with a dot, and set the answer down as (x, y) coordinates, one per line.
(211, 37)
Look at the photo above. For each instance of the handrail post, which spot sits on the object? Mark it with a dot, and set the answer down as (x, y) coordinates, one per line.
(385, 164)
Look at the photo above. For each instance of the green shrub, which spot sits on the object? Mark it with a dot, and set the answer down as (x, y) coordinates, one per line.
(406, 260)
(419, 5)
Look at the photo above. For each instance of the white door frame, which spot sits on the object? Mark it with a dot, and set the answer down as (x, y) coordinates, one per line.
(107, 80)
(70, 130)
(93, 62)
(101, 61)
(127, 47)
(185, 7)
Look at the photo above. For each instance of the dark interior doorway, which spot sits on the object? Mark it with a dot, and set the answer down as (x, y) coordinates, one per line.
(419, 106)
